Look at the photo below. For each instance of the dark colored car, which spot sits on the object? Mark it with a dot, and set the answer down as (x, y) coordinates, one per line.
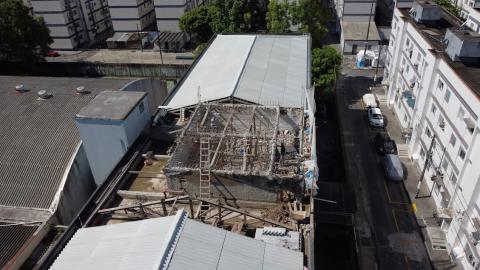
(393, 167)
(384, 144)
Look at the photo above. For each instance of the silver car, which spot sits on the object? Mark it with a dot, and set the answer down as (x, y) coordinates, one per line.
(375, 117)
(393, 167)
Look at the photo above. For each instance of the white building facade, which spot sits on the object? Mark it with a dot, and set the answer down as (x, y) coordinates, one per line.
(437, 101)
(131, 16)
(73, 23)
(168, 12)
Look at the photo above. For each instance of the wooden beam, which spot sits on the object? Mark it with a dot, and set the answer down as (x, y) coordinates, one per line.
(108, 210)
(205, 116)
(140, 195)
(214, 159)
(172, 207)
(274, 142)
(266, 220)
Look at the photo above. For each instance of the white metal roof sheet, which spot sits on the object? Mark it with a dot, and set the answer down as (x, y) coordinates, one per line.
(139, 245)
(216, 73)
(130, 245)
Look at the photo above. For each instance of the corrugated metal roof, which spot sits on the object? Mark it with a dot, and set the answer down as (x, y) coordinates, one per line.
(216, 73)
(135, 245)
(12, 238)
(276, 72)
(130, 245)
(39, 137)
(262, 69)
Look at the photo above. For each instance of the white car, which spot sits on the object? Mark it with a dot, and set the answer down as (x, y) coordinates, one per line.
(375, 117)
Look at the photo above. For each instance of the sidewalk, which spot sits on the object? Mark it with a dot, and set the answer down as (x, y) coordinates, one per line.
(423, 206)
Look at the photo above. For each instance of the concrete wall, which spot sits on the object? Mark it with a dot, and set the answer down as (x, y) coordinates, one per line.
(238, 188)
(156, 89)
(106, 141)
(168, 13)
(77, 189)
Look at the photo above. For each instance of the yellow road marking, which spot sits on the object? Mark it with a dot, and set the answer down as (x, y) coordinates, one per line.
(388, 195)
(414, 207)
(395, 220)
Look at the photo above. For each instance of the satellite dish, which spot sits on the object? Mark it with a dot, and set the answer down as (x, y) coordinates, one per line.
(20, 88)
(81, 90)
(43, 94)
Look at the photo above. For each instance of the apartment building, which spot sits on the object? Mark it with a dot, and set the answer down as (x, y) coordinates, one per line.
(73, 23)
(432, 72)
(472, 20)
(353, 18)
(168, 12)
(132, 16)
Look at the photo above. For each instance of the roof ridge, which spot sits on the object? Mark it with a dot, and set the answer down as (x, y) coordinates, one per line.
(171, 239)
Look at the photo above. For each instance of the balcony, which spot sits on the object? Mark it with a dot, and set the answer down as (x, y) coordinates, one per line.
(409, 98)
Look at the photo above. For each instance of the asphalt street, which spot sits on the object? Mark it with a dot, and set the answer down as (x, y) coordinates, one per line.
(388, 235)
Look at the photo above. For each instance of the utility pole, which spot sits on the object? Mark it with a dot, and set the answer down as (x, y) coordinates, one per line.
(428, 158)
(376, 68)
(437, 170)
(159, 46)
(368, 28)
(139, 38)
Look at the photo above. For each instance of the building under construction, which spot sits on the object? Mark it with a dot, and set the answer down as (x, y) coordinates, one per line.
(242, 153)
(235, 150)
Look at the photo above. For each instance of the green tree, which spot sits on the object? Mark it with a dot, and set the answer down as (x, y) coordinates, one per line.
(198, 21)
(22, 37)
(278, 16)
(231, 16)
(311, 16)
(326, 63)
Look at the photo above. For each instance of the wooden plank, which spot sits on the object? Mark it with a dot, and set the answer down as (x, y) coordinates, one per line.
(266, 220)
(140, 195)
(108, 210)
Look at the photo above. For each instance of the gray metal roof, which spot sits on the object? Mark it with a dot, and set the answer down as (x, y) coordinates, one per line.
(261, 69)
(276, 72)
(143, 244)
(12, 239)
(38, 137)
(111, 105)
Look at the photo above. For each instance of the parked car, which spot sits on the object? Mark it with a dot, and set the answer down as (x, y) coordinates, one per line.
(369, 101)
(375, 117)
(52, 54)
(384, 144)
(393, 167)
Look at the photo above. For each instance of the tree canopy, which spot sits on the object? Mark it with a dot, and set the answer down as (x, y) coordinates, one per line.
(326, 63)
(222, 16)
(311, 16)
(23, 38)
(278, 16)
(198, 21)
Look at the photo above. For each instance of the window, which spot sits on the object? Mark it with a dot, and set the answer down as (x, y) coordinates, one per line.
(408, 42)
(141, 108)
(441, 122)
(453, 140)
(453, 178)
(433, 109)
(461, 113)
(447, 96)
(445, 165)
(422, 153)
(405, 118)
(440, 85)
(428, 132)
(418, 57)
(461, 153)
